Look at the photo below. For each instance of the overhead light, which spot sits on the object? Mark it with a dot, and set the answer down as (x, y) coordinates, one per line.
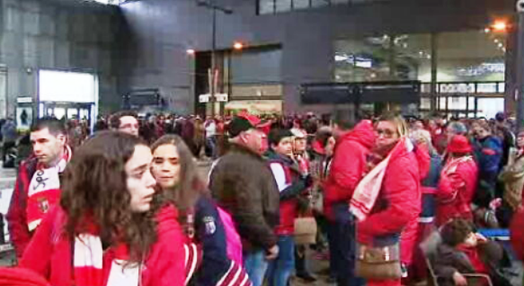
(487, 30)
(500, 26)
(238, 46)
(496, 41)
(190, 52)
(501, 45)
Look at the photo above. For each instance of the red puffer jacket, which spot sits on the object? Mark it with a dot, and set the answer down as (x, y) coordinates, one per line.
(348, 165)
(456, 190)
(399, 202)
(517, 235)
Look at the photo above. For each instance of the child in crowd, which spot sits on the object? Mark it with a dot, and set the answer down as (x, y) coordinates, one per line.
(463, 251)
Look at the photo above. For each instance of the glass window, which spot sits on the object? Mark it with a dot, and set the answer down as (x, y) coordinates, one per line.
(282, 5)
(487, 88)
(488, 107)
(457, 103)
(319, 3)
(369, 59)
(442, 103)
(425, 103)
(471, 103)
(256, 66)
(471, 56)
(502, 87)
(266, 6)
(336, 2)
(300, 4)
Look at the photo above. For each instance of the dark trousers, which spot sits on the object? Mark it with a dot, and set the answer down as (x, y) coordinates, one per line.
(301, 267)
(5, 148)
(342, 246)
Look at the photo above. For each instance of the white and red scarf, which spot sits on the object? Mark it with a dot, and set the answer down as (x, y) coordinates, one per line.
(452, 165)
(44, 190)
(368, 189)
(88, 263)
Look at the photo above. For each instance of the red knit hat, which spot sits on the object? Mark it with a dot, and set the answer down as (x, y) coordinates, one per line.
(459, 144)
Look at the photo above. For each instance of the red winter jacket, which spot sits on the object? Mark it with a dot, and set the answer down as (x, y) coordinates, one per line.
(455, 192)
(348, 165)
(517, 235)
(49, 253)
(16, 216)
(399, 202)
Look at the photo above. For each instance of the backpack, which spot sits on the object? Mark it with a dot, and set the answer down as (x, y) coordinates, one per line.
(234, 244)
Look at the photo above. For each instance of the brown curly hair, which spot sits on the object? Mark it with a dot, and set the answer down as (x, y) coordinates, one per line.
(94, 187)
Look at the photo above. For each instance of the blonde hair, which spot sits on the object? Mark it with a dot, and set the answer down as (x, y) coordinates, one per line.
(398, 120)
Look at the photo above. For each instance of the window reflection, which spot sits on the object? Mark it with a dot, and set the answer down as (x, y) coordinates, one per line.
(466, 56)
(278, 6)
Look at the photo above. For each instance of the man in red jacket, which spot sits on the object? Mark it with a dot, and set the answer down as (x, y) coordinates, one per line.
(37, 187)
(347, 169)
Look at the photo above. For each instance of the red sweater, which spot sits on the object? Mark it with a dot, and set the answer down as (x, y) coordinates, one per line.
(49, 253)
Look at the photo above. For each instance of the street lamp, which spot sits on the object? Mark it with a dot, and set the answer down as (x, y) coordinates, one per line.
(212, 4)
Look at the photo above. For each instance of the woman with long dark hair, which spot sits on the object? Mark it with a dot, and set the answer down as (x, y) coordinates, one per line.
(104, 231)
(204, 223)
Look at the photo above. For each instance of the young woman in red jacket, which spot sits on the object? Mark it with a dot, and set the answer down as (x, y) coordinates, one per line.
(104, 231)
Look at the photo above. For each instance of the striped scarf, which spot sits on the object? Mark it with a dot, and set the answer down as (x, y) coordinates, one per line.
(44, 190)
(89, 259)
(368, 189)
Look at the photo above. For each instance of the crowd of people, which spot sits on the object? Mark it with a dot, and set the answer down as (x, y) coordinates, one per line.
(127, 205)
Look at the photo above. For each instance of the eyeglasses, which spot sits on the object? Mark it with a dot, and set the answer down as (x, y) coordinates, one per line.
(386, 133)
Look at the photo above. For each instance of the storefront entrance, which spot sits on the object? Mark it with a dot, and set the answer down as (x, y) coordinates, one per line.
(67, 110)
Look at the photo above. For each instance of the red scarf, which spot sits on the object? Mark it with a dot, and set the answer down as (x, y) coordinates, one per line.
(44, 190)
(89, 259)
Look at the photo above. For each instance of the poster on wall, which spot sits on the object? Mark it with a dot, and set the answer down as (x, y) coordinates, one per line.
(24, 118)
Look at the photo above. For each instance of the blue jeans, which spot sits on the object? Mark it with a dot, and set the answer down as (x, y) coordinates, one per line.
(211, 146)
(255, 264)
(342, 246)
(281, 268)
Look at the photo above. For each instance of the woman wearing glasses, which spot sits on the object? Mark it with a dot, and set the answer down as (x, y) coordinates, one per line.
(386, 201)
